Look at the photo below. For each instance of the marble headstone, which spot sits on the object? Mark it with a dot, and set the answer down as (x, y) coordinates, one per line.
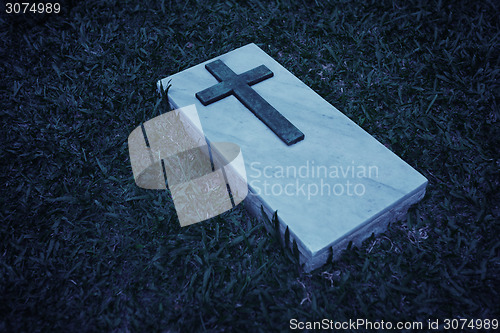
(337, 184)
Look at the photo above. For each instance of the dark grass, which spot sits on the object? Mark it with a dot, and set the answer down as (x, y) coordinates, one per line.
(82, 248)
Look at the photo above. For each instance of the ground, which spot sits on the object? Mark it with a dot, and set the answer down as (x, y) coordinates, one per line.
(82, 248)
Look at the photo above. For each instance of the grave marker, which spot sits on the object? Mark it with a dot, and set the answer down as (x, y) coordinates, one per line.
(339, 184)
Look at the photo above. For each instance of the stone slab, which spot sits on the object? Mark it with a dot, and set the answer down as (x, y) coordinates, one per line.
(337, 185)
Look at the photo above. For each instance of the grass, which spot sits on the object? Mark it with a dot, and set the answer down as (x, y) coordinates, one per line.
(82, 248)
